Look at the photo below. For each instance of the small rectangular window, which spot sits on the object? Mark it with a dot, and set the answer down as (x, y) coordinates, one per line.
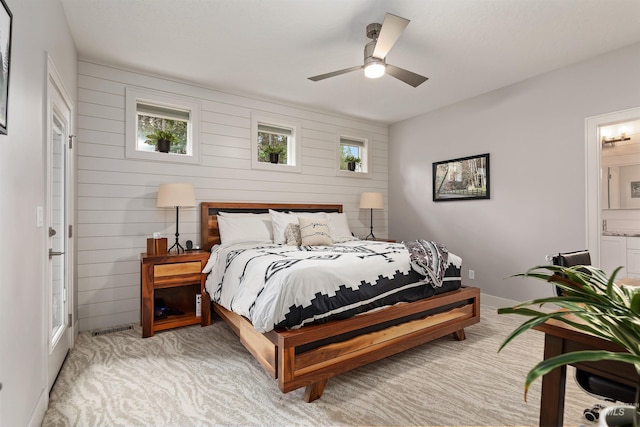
(161, 127)
(354, 154)
(351, 154)
(153, 118)
(276, 143)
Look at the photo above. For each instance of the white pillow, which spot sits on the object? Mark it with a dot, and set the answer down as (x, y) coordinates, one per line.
(339, 227)
(314, 231)
(241, 229)
(280, 220)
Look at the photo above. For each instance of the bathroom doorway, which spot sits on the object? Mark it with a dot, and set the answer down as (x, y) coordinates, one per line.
(610, 140)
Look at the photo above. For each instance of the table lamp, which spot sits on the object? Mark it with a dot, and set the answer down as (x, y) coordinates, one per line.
(176, 195)
(371, 201)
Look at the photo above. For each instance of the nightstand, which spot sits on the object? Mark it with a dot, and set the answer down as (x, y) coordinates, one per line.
(176, 280)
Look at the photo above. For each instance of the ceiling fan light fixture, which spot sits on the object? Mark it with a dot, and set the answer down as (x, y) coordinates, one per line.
(373, 70)
(383, 37)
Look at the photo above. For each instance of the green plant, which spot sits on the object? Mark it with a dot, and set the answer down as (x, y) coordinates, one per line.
(273, 149)
(350, 158)
(591, 302)
(158, 134)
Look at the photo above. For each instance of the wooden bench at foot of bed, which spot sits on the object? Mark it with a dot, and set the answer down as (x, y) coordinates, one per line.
(309, 356)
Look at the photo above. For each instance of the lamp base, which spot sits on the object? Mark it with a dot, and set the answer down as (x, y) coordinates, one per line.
(177, 244)
(371, 230)
(178, 247)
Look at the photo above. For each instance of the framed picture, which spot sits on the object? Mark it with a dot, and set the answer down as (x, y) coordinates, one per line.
(466, 178)
(635, 189)
(5, 62)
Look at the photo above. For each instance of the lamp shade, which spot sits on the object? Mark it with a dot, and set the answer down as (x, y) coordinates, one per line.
(172, 195)
(371, 201)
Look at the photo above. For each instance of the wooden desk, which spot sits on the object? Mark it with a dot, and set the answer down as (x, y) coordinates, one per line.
(559, 339)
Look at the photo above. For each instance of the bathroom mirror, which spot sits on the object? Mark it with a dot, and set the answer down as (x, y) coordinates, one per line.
(621, 187)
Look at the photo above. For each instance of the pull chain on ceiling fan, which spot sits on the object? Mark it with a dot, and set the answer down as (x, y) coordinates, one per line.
(383, 37)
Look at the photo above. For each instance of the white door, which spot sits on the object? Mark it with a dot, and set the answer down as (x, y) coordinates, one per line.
(58, 227)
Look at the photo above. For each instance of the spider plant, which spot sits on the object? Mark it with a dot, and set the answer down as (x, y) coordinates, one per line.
(591, 302)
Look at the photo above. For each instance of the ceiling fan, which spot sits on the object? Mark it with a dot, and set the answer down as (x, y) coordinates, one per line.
(383, 38)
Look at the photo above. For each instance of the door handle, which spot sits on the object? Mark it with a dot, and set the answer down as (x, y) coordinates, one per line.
(52, 253)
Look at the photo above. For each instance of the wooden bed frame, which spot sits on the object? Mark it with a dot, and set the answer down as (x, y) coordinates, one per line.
(309, 356)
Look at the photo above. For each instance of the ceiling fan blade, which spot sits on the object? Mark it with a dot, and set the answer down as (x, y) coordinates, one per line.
(392, 27)
(406, 76)
(335, 73)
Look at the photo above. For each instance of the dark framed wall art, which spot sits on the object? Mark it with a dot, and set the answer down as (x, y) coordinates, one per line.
(466, 178)
(5, 61)
(635, 189)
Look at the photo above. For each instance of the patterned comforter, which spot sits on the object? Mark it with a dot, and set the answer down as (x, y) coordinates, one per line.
(277, 286)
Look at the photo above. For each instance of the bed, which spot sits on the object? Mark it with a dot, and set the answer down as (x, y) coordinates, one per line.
(307, 355)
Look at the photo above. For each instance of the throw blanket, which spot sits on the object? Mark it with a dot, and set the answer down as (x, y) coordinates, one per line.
(279, 286)
(430, 259)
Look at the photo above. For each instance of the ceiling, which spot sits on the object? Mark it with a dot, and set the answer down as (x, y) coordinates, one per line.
(268, 48)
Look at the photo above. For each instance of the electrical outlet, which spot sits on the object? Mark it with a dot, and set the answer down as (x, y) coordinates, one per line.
(198, 304)
(472, 274)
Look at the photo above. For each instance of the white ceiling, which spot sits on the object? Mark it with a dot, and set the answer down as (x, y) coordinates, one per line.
(268, 48)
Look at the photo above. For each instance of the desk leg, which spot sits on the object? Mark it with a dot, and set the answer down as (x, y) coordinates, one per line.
(553, 386)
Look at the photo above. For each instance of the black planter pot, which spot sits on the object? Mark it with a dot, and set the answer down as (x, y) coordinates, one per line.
(351, 166)
(163, 146)
(274, 157)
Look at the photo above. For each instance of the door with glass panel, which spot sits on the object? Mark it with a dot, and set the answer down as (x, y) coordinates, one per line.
(58, 230)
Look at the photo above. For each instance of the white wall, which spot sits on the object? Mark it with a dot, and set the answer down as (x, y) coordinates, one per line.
(39, 26)
(535, 134)
(117, 195)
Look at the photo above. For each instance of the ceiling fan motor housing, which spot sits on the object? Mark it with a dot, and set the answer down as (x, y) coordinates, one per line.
(373, 30)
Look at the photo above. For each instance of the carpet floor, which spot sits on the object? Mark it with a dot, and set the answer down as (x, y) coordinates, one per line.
(196, 376)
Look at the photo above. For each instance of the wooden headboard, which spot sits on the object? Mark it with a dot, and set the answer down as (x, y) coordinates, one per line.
(209, 233)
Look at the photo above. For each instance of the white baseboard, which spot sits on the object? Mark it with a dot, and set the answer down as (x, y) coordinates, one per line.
(496, 302)
(491, 301)
(40, 409)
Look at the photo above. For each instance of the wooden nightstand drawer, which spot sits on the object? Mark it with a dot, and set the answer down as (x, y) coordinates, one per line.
(165, 270)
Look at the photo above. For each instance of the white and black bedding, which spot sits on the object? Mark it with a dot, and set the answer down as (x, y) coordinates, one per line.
(279, 286)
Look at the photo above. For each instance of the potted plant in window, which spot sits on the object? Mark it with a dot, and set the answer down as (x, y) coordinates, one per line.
(590, 302)
(274, 151)
(351, 161)
(162, 139)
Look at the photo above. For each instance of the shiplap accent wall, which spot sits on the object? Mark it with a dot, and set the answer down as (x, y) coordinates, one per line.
(116, 196)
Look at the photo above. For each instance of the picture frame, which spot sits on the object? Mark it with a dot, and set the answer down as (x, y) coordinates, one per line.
(6, 21)
(635, 189)
(465, 178)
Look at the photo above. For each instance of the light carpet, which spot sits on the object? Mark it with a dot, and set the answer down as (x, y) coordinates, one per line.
(196, 376)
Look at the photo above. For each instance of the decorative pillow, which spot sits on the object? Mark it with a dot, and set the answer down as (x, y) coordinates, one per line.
(241, 229)
(339, 227)
(280, 220)
(292, 235)
(314, 232)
